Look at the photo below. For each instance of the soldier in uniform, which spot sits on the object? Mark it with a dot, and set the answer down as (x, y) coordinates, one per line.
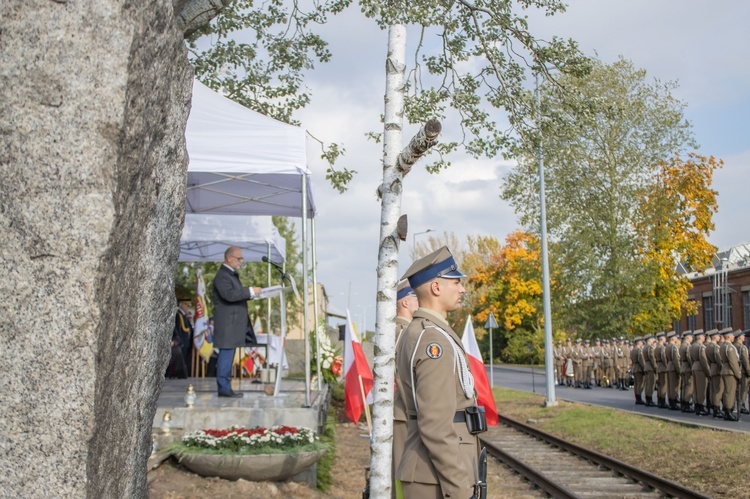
(406, 305)
(661, 370)
(701, 372)
(649, 370)
(636, 356)
(587, 363)
(441, 454)
(568, 353)
(596, 357)
(559, 363)
(608, 371)
(673, 370)
(576, 355)
(714, 360)
(686, 372)
(730, 373)
(621, 363)
(739, 342)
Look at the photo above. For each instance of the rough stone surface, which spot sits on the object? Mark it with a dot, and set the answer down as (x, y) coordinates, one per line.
(93, 102)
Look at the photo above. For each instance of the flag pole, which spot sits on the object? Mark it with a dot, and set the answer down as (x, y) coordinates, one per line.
(367, 408)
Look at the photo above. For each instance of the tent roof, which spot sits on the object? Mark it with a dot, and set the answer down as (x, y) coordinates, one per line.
(242, 162)
(206, 237)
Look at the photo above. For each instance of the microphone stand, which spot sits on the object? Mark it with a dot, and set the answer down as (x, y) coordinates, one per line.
(285, 279)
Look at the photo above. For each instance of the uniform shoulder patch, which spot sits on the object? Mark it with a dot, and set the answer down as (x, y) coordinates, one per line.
(434, 351)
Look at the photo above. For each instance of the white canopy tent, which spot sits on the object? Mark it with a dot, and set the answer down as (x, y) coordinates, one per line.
(244, 163)
(205, 238)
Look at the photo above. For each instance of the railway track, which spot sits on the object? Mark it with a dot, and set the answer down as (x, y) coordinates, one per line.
(561, 469)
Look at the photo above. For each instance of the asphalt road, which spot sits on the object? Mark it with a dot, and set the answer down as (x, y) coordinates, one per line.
(520, 378)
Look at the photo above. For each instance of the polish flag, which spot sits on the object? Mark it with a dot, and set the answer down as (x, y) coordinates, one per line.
(358, 379)
(481, 382)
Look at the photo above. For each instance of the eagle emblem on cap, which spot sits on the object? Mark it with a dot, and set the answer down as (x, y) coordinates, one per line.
(434, 351)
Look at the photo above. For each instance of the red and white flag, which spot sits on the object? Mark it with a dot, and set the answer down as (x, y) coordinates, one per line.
(358, 379)
(481, 382)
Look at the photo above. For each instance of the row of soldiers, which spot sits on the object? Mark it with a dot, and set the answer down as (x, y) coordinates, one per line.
(605, 364)
(696, 372)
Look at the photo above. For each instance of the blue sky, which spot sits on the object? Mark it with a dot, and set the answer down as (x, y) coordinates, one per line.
(703, 46)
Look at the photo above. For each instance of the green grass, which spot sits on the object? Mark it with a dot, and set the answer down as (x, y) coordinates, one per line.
(714, 462)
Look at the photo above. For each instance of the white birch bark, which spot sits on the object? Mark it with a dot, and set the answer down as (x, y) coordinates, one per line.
(385, 315)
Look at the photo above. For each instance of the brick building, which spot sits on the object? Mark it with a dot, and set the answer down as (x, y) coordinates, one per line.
(722, 293)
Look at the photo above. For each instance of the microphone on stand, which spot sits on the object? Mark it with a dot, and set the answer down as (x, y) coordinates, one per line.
(266, 260)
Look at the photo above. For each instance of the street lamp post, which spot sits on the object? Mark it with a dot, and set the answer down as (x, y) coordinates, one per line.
(414, 240)
(491, 324)
(548, 360)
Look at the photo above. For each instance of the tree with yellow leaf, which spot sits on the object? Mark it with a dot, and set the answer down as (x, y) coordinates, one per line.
(509, 284)
(678, 214)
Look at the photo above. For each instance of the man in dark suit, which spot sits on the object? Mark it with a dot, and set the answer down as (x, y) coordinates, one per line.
(230, 317)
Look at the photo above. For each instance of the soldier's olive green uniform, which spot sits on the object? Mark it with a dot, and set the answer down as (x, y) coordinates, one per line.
(596, 358)
(399, 409)
(745, 368)
(686, 375)
(701, 374)
(649, 374)
(660, 352)
(730, 373)
(559, 364)
(577, 355)
(608, 371)
(717, 383)
(440, 457)
(673, 374)
(587, 364)
(636, 357)
(621, 364)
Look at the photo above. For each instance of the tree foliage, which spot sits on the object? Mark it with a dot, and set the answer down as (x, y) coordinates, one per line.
(609, 141)
(257, 54)
(471, 58)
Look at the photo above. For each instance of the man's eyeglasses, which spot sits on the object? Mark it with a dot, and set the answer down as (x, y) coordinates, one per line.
(238, 258)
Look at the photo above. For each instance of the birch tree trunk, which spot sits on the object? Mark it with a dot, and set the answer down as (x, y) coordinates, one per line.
(385, 315)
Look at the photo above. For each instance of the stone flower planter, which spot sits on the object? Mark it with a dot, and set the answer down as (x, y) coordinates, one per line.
(258, 467)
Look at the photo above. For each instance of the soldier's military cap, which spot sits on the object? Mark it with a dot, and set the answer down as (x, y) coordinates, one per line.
(660, 334)
(622, 338)
(568, 340)
(586, 341)
(647, 337)
(671, 334)
(739, 333)
(712, 333)
(404, 290)
(559, 342)
(605, 341)
(687, 333)
(746, 331)
(439, 263)
(627, 342)
(597, 339)
(578, 340)
(698, 332)
(727, 331)
(637, 339)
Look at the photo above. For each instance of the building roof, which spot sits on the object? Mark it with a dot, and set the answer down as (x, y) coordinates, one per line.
(733, 259)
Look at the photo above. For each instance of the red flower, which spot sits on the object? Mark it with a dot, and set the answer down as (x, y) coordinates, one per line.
(336, 366)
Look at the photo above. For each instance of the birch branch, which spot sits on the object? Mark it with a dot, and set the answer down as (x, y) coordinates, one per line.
(418, 146)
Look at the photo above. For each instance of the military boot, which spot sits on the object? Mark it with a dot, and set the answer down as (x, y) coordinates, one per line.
(639, 400)
(650, 402)
(703, 411)
(717, 413)
(729, 415)
(673, 405)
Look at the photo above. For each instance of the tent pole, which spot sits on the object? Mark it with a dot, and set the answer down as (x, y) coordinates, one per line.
(306, 291)
(268, 301)
(318, 329)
